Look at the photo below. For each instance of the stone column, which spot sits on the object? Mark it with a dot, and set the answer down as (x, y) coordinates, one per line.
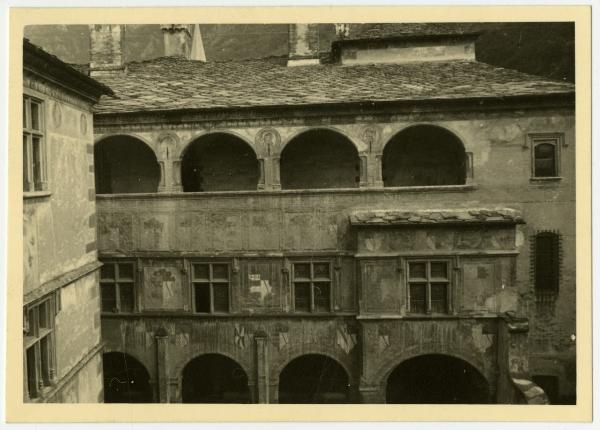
(162, 359)
(262, 367)
(275, 173)
(371, 394)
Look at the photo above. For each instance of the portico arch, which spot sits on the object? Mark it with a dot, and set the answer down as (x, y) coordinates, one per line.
(424, 155)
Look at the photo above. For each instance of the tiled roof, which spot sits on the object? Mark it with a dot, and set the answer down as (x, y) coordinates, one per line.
(439, 216)
(172, 83)
(37, 59)
(386, 30)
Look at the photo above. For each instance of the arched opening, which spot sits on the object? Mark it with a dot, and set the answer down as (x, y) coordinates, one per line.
(124, 164)
(313, 378)
(126, 380)
(319, 159)
(424, 155)
(214, 378)
(436, 378)
(219, 162)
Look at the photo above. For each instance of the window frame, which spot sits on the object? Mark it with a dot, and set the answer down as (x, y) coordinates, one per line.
(34, 334)
(554, 139)
(311, 281)
(31, 188)
(428, 280)
(194, 281)
(116, 281)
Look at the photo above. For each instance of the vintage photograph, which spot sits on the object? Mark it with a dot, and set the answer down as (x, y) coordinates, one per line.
(304, 213)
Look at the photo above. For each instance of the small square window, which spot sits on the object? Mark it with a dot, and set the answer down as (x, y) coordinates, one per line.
(117, 286)
(428, 286)
(211, 287)
(312, 287)
(545, 154)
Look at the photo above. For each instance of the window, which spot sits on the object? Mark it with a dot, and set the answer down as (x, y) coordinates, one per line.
(34, 154)
(545, 151)
(211, 287)
(312, 287)
(428, 286)
(546, 254)
(39, 346)
(117, 282)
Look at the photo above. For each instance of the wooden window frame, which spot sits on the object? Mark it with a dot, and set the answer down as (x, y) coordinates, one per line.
(428, 280)
(210, 281)
(311, 281)
(31, 187)
(554, 139)
(34, 334)
(116, 282)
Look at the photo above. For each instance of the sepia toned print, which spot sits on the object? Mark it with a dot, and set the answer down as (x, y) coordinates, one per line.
(358, 213)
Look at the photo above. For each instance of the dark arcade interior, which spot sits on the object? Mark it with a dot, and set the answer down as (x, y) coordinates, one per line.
(219, 162)
(436, 379)
(124, 164)
(313, 378)
(319, 159)
(214, 378)
(126, 380)
(424, 155)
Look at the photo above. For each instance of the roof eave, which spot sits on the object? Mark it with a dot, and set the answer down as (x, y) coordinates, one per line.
(562, 99)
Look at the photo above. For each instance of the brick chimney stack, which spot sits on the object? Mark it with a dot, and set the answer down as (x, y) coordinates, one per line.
(106, 49)
(303, 42)
(178, 40)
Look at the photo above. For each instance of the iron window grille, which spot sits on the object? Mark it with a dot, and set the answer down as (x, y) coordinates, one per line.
(312, 286)
(546, 269)
(39, 346)
(34, 149)
(117, 286)
(429, 286)
(211, 283)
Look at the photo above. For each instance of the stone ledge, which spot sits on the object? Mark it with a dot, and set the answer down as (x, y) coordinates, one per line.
(436, 216)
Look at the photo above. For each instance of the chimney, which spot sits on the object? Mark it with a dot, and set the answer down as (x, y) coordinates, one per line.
(106, 49)
(178, 40)
(303, 42)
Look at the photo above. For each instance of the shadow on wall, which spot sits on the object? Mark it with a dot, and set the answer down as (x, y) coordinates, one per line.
(124, 164)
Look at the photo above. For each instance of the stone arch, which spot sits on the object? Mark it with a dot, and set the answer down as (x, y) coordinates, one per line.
(319, 157)
(185, 145)
(220, 161)
(383, 371)
(436, 378)
(297, 382)
(126, 379)
(125, 163)
(303, 130)
(308, 349)
(215, 378)
(424, 154)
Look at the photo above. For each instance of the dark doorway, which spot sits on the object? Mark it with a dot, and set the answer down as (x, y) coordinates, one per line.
(439, 379)
(319, 159)
(313, 378)
(126, 380)
(219, 162)
(549, 384)
(424, 155)
(214, 378)
(124, 164)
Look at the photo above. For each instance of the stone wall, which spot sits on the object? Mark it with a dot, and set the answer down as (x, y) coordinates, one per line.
(271, 225)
